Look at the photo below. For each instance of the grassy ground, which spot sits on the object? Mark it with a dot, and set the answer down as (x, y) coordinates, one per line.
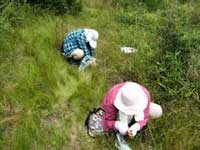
(44, 101)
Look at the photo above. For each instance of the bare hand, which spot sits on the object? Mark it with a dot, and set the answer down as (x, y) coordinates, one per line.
(129, 133)
(93, 62)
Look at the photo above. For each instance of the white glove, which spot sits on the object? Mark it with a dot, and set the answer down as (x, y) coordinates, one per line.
(134, 129)
(121, 127)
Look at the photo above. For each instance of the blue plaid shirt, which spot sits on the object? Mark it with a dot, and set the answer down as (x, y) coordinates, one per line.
(77, 39)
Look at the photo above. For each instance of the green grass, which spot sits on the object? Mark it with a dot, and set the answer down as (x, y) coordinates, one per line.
(44, 101)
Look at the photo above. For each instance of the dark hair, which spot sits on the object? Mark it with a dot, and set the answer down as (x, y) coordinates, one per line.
(62, 47)
(88, 46)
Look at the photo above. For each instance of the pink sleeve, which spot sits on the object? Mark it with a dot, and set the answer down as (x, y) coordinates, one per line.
(109, 118)
(143, 122)
(110, 114)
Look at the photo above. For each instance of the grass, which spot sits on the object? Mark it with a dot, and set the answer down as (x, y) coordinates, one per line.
(44, 101)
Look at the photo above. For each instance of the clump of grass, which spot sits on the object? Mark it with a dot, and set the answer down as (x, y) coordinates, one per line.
(44, 101)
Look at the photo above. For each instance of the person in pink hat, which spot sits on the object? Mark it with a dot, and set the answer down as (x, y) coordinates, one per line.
(127, 108)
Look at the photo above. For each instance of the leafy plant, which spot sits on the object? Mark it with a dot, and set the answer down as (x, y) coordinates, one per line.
(58, 6)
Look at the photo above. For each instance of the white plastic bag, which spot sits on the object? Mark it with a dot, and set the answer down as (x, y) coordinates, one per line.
(128, 50)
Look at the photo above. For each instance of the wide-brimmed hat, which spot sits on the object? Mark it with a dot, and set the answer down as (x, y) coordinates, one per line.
(92, 37)
(131, 99)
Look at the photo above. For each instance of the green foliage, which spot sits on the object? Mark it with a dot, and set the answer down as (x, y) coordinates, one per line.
(15, 13)
(150, 5)
(20, 7)
(175, 49)
(58, 6)
(44, 101)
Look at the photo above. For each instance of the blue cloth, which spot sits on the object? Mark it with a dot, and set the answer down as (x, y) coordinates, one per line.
(86, 61)
(77, 39)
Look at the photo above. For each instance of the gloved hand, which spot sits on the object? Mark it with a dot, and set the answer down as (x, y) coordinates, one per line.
(121, 127)
(134, 129)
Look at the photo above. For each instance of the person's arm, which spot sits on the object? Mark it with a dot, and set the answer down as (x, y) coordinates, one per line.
(109, 117)
(93, 63)
(92, 52)
(142, 117)
(82, 43)
(110, 121)
(86, 61)
(141, 120)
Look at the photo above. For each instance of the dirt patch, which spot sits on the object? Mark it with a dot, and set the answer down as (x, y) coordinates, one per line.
(74, 142)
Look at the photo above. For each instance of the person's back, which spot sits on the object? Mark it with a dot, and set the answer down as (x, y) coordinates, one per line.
(79, 46)
(72, 36)
(72, 40)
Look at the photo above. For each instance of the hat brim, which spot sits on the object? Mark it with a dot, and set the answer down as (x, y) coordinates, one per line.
(93, 44)
(130, 110)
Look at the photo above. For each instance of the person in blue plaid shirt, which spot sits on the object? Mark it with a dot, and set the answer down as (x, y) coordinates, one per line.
(79, 46)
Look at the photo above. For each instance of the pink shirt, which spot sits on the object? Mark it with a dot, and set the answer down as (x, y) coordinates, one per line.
(110, 114)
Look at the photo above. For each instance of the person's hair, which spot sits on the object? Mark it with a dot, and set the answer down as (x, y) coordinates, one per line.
(88, 46)
(62, 47)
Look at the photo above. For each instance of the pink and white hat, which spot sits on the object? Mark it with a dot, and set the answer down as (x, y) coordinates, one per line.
(131, 99)
(91, 37)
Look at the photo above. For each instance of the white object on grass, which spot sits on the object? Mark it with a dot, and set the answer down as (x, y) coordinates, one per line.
(128, 50)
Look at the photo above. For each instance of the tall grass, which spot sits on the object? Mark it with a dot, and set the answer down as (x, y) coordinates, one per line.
(44, 101)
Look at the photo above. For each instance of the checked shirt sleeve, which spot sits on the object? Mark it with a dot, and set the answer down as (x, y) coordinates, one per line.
(82, 44)
(92, 52)
(86, 61)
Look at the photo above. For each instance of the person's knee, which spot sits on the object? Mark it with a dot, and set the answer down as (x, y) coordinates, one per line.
(77, 54)
(155, 111)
